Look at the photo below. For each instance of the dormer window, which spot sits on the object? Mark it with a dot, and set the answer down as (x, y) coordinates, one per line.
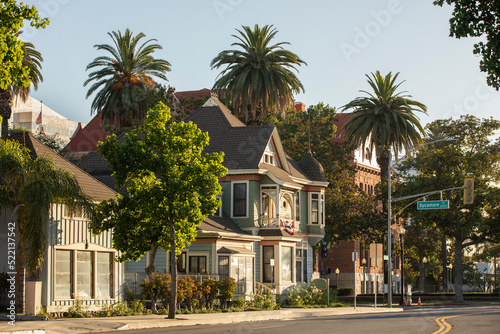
(269, 156)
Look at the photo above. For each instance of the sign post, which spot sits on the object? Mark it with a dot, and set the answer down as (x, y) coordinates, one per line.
(354, 259)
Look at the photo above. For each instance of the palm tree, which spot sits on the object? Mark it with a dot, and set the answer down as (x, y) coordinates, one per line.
(384, 119)
(259, 78)
(32, 59)
(123, 78)
(28, 187)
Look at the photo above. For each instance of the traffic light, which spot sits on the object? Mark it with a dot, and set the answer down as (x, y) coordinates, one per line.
(469, 190)
(324, 249)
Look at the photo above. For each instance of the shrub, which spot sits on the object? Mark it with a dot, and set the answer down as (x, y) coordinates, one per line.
(345, 291)
(136, 307)
(78, 310)
(209, 288)
(262, 300)
(306, 295)
(294, 298)
(227, 288)
(239, 303)
(158, 286)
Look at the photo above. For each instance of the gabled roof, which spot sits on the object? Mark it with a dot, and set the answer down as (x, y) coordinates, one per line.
(90, 186)
(86, 139)
(243, 146)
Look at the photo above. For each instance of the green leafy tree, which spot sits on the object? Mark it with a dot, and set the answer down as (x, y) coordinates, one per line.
(384, 119)
(474, 153)
(259, 78)
(32, 60)
(171, 187)
(12, 70)
(28, 187)
(350, 212)
(421, 241)
(479, 18)
(123, 78)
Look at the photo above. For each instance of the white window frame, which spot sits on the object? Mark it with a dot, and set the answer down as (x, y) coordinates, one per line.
(296, 197)
(73, 277)
(246, 199)
(276, 199)
(321, 208)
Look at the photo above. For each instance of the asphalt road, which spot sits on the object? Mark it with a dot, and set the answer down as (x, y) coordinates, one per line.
(478, 319)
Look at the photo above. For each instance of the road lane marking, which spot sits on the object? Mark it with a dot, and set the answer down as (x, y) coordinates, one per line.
(444, 327)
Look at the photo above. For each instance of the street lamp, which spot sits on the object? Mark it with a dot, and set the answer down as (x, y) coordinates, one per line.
(389, 214)
(424, 260)
(401, 234)
(474, 267)
(337, 272)
(363, 263)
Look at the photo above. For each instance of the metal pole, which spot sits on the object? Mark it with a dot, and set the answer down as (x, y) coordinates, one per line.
(389, 261)
(376, 277)
(327, 292)
(401, 300)
(354, 283)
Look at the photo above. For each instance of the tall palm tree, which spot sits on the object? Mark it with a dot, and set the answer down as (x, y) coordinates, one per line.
(258, 78)
(32, 59)
(384, 119)
(123, 78)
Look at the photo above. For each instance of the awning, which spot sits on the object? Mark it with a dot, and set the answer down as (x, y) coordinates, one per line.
(235, 250)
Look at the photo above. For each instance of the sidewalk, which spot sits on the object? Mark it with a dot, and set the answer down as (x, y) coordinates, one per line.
(94, 325)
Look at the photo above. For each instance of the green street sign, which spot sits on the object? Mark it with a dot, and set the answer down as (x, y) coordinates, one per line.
(430, 205)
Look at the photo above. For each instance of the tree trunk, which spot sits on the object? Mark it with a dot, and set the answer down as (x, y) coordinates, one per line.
(383, 162)
(459, 270)
(444, 263)
(152, 255)
(5, 110)
(421, 274)
(149, 270)
(173, 273)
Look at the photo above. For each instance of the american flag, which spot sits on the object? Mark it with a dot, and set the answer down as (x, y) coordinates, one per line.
(39, 119)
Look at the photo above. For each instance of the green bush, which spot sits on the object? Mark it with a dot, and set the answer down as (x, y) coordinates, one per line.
(158, 286)
(345, 291)
(307, 295)
(262, 300)
(136, 307)
(78, 310)
(227, 287)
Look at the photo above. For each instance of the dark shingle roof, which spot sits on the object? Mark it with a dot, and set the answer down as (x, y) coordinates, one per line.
(312, 168)
(243, 146)
(220, 224)
(90, 186)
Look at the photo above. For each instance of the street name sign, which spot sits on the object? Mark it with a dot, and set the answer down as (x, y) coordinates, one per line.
(430, 205)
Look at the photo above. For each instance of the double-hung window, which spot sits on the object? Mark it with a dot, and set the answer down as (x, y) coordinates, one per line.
(240, 199)
(316, 208)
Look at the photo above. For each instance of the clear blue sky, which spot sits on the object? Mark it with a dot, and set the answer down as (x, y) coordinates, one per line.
(341, 41)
